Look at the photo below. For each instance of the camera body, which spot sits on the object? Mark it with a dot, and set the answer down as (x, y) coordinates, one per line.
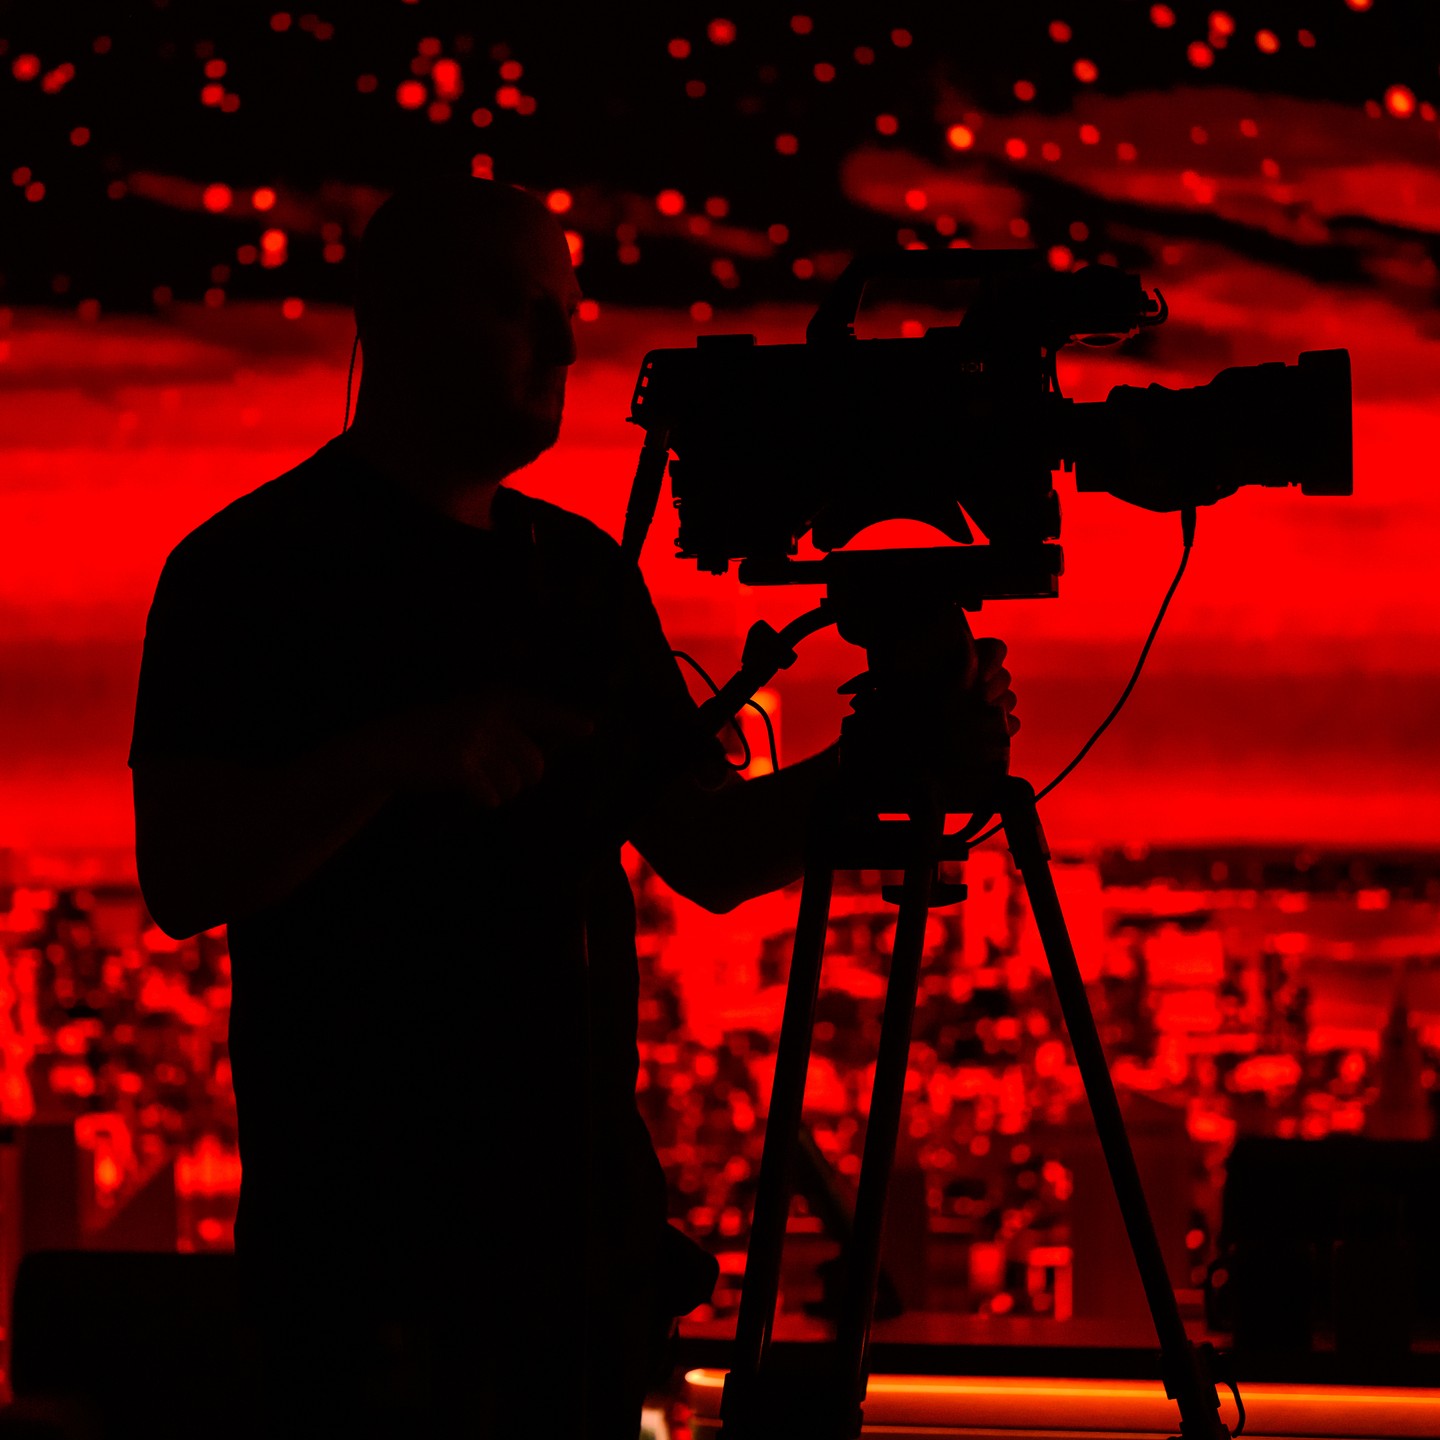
(962, 427)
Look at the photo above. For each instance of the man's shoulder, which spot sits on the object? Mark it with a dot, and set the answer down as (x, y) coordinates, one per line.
(261, 522)
(555, 524)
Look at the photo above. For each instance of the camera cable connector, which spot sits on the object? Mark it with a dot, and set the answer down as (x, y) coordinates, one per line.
(766, 651)
(733, 721)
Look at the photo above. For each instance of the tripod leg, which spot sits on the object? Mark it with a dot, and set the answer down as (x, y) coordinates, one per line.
(1186, 1381)
(772, 1197)
(882, 1129)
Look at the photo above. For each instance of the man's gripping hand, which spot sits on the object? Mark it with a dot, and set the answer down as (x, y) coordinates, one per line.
(976, 714)
(491, 747)
(993, 681)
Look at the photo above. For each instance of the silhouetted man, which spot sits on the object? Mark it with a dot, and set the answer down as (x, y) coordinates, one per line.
(394, 721)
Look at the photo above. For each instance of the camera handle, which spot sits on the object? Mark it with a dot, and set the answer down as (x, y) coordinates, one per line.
(760, 1402)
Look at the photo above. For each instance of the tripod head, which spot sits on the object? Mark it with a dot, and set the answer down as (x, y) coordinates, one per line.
(918, 690)
(907, 610)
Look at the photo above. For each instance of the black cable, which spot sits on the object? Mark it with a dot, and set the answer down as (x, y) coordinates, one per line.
(1239, 1406)
(1187, 527)
(770, 732)
(733, 722)
(752, 703)
(349, 379)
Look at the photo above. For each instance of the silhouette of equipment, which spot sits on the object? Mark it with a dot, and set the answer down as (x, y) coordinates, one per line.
(773, 443)
(880, 775)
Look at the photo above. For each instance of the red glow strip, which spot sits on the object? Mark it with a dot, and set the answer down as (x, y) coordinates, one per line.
(1120, 1405)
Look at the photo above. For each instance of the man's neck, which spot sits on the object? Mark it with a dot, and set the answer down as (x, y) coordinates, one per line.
(428, 471)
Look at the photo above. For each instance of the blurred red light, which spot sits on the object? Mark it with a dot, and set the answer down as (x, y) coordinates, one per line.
(445, 77)
(1400, 101)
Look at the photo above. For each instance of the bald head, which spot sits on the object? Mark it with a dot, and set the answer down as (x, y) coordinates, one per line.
(450, 235)
(464, 299)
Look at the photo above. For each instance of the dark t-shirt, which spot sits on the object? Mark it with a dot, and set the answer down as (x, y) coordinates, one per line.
(433, 1038)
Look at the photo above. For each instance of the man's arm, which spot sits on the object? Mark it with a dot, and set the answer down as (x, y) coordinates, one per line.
(217, 839)
(723, 846)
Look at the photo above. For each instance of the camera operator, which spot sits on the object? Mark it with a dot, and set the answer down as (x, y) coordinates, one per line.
(394, 720)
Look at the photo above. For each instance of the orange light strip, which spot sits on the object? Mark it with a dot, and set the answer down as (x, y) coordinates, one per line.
(1133, 1406)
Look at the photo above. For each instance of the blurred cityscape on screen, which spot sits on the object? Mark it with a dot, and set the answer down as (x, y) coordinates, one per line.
(1250, 991)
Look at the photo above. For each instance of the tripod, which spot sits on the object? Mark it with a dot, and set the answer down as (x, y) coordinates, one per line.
(879, 775)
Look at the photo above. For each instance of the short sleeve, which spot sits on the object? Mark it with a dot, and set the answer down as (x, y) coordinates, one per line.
(194, 665)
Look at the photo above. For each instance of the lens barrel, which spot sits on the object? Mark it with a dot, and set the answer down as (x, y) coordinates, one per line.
(1271, 424)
